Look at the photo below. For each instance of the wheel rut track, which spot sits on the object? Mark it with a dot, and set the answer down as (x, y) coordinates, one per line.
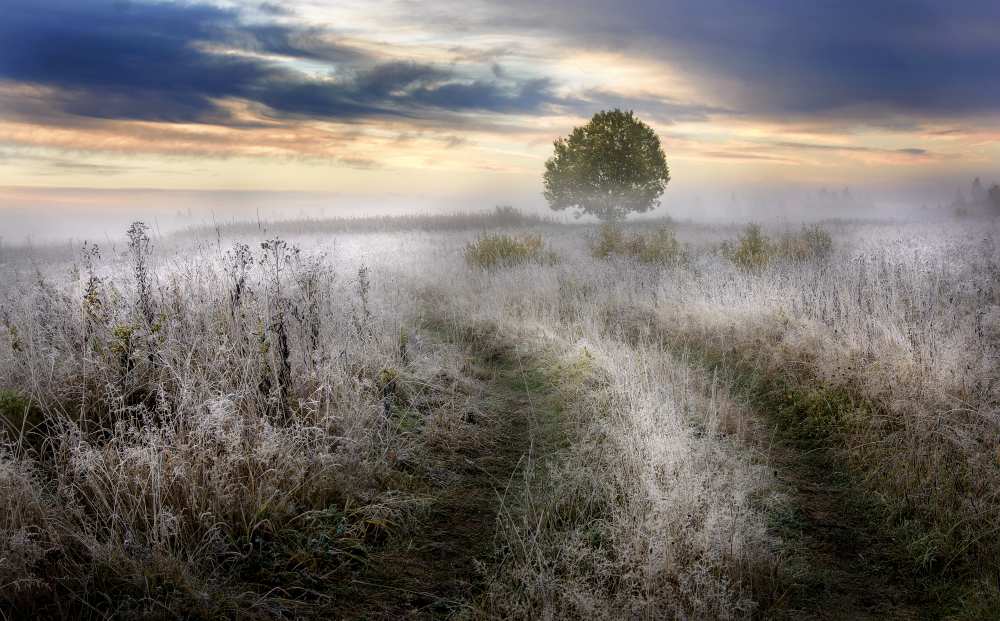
(844, 565)
(440, 567)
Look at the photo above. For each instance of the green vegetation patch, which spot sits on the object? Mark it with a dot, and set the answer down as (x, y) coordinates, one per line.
(813, 414)
(497, 250)
(753, 250)
(17, 414)
(657, 247)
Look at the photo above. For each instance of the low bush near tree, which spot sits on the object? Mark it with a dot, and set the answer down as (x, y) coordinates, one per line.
(658, 247)
(753, 249)
(494, 251)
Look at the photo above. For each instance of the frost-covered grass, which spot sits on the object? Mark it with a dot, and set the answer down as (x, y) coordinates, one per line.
(247, 397)
(902, 322)
(193, 408)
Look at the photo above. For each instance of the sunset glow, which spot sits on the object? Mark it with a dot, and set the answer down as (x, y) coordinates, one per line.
(457, 100)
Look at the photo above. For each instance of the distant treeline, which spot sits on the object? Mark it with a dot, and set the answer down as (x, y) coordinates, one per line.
(499, 217)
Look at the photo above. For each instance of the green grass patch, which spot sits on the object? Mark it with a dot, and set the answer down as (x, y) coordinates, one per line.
(498, 250)
(812, 242)
(18, 416)
(657, 247)
(753, 250)
(814, 414)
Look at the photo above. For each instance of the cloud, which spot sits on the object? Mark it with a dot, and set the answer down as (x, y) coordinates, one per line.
(45, 165)
(454, 141)
(178, 63)
(125, 61)
(661, 109)
(867, 61)
(492, 54)
(812, 146)
(523, 96)
(744, 155)
(296, 42)
(217, 78)
(952, 131)
(798, 152)
(274, 8)
(358, 162)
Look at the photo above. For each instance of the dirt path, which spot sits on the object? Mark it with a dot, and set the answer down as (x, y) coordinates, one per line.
(440, 566)
(841, 563)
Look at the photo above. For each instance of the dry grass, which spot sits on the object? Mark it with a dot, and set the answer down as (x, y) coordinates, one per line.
(252, 398)
(637, 500)
(502, 216)
(234, 406)
(904, 325)
(890, 341)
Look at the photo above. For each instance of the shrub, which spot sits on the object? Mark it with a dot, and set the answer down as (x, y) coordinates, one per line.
(753, 249)
(493, 251)
(610, 240)
(812, 242)
(660, 246)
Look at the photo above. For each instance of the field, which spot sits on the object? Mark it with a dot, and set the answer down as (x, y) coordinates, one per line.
(503, 417)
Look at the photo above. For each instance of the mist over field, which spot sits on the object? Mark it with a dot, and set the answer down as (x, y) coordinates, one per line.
(566, 310)
(40, 215)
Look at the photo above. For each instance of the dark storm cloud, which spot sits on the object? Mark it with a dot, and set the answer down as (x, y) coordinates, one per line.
(400, 89)
(163, 62)
(301, 42)
(274, 8)
(851, 59)
(482, 95)
(894, 63)
(141, 59)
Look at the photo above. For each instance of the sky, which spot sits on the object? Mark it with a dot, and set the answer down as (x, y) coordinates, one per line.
(423, 103)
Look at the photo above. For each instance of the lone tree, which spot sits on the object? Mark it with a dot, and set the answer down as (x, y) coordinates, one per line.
(608, 168)
(994, 196)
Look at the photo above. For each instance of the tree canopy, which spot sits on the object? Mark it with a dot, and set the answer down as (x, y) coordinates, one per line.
(610, 167)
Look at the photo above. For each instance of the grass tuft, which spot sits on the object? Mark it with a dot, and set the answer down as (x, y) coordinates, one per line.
(497, 250)
(753, 250)
(659, 247)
